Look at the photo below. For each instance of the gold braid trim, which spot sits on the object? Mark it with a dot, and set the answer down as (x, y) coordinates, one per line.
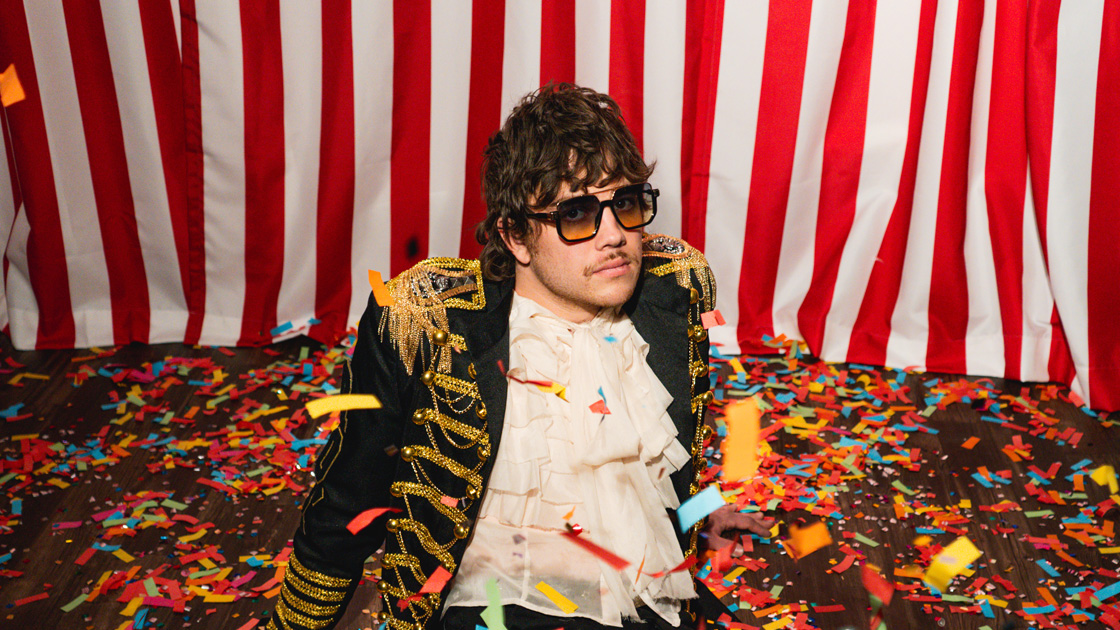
(432, 495)
(293, 600)
(474, 434)
(319, 579)
(457, 469)
(310, 591)
(421, 297)
(426, 541)
(457, 385)
(285, 613)
(272, 625)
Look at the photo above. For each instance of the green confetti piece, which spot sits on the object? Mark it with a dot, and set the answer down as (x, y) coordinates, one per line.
(151, 588)
(898, 485)
(73, 603)
(202, 573)
(1039, 513)
(865, 540)
(175, 505)
(258, 471)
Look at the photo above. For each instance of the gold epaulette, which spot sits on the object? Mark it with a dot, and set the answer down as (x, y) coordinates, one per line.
(421, 297)
(664, 254)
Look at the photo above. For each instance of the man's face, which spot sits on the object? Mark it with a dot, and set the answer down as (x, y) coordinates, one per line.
(575, 280)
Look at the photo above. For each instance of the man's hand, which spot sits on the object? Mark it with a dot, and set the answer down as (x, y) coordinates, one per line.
(728, 518)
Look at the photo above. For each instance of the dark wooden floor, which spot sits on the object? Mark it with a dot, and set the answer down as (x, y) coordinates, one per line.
(165, 499)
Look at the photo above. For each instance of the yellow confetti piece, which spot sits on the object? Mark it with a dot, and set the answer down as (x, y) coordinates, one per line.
(123, 555)
(806, 540)
(342, 402)
(951, 562)
(192, 537)
(780, 623)
(133, 604)
(555, 388)
(740, 447)
(563, 603)
(1106, 475)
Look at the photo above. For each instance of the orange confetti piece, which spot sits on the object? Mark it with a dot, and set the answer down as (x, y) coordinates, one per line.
(806, 540)
(11, 91)
(380, 291)
(711, 319)
(970, 442)
(436, 581)
(740, 447)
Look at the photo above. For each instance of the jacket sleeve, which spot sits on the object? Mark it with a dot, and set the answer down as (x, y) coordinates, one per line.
(353, 472)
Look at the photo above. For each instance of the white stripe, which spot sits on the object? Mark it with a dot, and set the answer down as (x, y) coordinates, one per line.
(176, 16)
(221, 67)
(984, 348)
(86, 268)
(7, 215)
(1071, 174)
(593, 44)
(742, 48)
(1038, 302)
(884, 148)
(301, 46)
(129, 64)
(663, 102)
(451, 88)
(373, 135)
(827, 23)
(23, 308)
(521, 56)
(910, 321)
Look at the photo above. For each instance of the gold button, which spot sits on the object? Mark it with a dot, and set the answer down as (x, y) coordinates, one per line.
(440, 337)
(395, 490)
(420, 416)
(393, 525)
(471, 371)
(407, 454)
(383, 586)
(382, 616)
(693, 296)
(706, 432)
(480, 410)
(694, 488)
(387, 563)
(462, 531)
(707, 397)
(697, 333)
(473, 492)
(484, 452)
(428, 377)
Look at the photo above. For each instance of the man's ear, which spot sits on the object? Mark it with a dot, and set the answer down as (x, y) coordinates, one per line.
(516, 246)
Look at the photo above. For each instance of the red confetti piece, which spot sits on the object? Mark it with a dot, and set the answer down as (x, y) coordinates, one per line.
(33, 598)
(436, 581)
(363, 520)
(604, 555)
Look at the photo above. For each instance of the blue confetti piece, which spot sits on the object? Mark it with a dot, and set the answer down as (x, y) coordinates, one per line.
(282, 328)
(698, 506)
(1108, 591)
(1046, 566)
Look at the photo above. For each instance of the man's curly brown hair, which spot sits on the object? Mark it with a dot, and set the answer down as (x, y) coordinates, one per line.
(561, 135)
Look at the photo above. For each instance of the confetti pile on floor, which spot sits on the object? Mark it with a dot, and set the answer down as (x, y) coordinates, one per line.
(873, 474)
(843, 446)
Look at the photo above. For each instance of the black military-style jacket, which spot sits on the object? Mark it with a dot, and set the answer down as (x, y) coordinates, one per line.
(433, 360)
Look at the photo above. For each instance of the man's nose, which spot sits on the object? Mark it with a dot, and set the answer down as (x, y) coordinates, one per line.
(610, 232)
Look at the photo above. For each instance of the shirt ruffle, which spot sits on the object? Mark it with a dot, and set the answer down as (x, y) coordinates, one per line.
(562, 460)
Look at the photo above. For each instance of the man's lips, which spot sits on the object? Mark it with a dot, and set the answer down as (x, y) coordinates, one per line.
(612, 265)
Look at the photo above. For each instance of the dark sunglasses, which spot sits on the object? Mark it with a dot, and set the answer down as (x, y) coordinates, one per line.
(577, 219)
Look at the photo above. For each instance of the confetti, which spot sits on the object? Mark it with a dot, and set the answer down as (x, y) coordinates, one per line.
(951, 562)
(11, 91)
(563, 603)
(740, 447)
(604, 555)
(698, 506)
(341, 402)
(380, 291)
(806, 540)
(362, 520)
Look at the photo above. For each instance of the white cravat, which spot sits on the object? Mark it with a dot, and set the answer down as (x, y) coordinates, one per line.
(559, 461)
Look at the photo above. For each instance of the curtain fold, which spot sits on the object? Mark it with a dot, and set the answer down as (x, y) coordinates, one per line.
(913, 183)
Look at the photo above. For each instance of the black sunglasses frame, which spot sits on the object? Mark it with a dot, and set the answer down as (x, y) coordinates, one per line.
(554, 216)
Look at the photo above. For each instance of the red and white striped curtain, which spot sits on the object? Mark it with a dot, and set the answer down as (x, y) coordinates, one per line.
(904, 182)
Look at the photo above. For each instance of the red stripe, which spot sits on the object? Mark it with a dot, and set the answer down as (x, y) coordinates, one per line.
(336, 176)
(1005, 174)
(558, 41)
(1104, 223)
(703, 33)
(948, 293)
(843, 159)
(264, 169)
(484, 113)
(412, 105)
(783, 72)
(46, 253)
(872, 328)
(194, 223)
(165, 73)
(108, 165)
(628, 45)
(1042, 51)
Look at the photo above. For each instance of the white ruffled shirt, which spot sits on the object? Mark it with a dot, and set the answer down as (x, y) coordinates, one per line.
(559, 461)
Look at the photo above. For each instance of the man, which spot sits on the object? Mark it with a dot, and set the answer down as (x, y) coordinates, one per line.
(554, 388)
